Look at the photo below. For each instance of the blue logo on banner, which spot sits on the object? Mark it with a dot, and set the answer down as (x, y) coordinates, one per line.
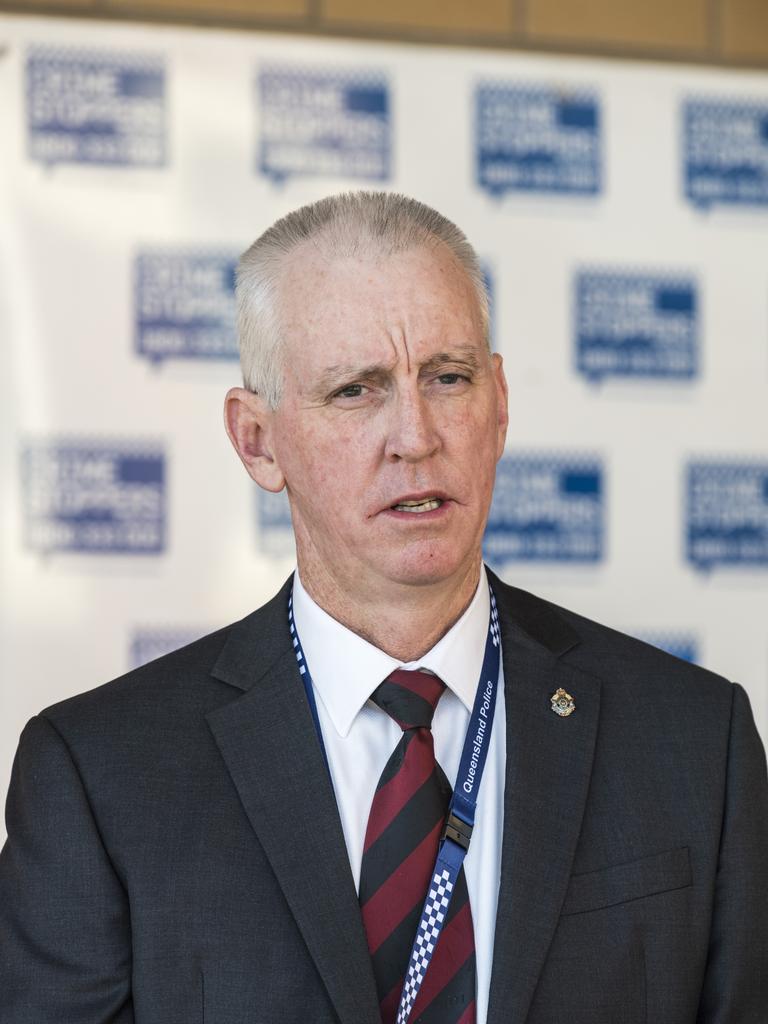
(94, 497)
(274, 523)
(727, 514)
(88, 107)
(636, 325)
(324, 123)
(185, 305)
(682, 645)
(548, 508)
(153, 642)
(725, 151)
(537, 139)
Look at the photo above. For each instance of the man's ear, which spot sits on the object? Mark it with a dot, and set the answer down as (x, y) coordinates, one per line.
(502, 397)
(249, 422)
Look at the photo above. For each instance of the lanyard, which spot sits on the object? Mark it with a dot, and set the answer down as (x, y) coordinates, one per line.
(457, 832)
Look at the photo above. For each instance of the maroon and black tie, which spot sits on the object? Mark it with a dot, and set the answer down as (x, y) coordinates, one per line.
(404, 827)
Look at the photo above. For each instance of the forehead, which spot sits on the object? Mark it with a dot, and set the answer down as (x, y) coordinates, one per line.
(365, 307)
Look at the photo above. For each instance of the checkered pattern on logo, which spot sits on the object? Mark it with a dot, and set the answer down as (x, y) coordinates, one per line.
(494, 626)
(295, 638)
(432, 917)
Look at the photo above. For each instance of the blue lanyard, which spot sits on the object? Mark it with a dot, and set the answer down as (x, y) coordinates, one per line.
(460, 821)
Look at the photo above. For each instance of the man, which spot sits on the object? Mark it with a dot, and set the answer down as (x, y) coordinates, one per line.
(246, 830)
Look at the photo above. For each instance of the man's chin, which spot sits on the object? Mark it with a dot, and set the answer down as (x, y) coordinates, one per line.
(433, 566)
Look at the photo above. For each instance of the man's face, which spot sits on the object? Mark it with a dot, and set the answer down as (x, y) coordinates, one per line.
(392, 419)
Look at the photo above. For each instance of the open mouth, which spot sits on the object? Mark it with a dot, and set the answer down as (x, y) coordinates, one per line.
(417, 507)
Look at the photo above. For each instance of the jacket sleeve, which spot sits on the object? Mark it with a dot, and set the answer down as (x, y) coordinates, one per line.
(735, 989)
(65, 944)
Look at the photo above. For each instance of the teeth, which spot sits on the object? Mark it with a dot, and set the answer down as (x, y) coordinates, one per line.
(428, 505)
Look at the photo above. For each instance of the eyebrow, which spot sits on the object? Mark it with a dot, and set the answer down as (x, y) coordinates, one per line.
(339, 374)
(464, 355)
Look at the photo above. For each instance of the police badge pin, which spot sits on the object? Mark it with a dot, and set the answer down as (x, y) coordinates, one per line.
(562, 703)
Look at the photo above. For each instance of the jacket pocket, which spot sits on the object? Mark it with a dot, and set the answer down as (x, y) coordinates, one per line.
(620, 883)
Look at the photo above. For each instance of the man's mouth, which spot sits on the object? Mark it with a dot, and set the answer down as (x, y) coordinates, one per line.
(416, 507)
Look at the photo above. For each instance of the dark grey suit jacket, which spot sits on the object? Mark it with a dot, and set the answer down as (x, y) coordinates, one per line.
(175, 854)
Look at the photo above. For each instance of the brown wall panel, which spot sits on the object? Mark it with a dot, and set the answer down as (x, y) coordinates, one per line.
(480, 17)
(707, 31)
(744, 28)
(212, 8)
(57, 6)
(665, 24)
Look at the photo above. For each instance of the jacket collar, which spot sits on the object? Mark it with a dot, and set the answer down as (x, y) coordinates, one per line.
(256, 642)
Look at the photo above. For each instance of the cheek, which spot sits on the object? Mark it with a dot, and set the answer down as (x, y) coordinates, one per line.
(475, 433)
(342, 455)
(478, 441)
(325, 466)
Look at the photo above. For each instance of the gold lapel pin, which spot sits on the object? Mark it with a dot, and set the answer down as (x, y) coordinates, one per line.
(562, 703)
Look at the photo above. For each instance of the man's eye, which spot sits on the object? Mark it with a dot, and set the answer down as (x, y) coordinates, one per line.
(350, 391)
(451, 378)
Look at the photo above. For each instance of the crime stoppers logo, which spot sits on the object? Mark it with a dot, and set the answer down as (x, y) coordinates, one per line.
(537, 139)
(635, 325)
(185, 305)
(150, 642)
(547, 508)
(95, 107)
(727, 513)
(725, 151)
(94, 497)
(324, 123)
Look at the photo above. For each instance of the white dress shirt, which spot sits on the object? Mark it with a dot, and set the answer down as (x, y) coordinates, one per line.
(359, 738)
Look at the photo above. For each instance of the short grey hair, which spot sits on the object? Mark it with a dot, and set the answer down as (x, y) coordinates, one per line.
(378, 223)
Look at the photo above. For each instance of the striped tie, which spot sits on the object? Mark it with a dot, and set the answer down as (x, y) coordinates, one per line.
(401, 840)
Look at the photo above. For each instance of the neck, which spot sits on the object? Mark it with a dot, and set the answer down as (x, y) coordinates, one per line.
(405, 622)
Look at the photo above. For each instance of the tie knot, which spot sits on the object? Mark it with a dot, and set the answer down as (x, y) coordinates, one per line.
(410, 698)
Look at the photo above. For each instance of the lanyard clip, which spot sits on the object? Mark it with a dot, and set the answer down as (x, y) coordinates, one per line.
(457, 830)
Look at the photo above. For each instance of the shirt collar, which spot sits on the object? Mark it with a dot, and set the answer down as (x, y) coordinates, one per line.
(346, 669)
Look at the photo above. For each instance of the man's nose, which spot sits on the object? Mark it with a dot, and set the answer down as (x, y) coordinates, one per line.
(412, 434)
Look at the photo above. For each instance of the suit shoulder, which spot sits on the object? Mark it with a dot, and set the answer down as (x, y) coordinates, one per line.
(614, 655)
(617, 658)
(174, 680)
(171, 695)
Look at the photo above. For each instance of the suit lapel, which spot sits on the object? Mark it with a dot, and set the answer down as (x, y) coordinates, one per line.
(268, 741)
(548, 769)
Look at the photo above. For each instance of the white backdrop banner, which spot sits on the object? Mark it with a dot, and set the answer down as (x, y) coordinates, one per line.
(621, 214)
